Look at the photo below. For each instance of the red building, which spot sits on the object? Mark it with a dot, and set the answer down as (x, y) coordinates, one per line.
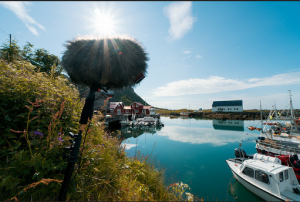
(116, 108)
(137, 108)
(147, 109)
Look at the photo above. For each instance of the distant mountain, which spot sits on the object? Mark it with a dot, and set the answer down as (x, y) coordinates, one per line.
(127, 96)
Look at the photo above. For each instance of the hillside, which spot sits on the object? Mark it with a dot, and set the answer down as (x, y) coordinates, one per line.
(125, 95)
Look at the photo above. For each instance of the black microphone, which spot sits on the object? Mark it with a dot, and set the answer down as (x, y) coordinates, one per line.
(110, 62)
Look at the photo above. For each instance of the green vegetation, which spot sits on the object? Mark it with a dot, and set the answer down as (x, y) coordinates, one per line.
(40, 58)
(178, 111)
(127, 96)
(38, 110)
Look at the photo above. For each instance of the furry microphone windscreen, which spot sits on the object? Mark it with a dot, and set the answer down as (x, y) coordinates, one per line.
(113, 62)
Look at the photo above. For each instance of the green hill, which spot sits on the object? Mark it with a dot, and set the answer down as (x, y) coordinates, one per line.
(125, 95)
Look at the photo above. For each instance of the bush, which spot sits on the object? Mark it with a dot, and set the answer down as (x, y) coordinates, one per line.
(37, 110)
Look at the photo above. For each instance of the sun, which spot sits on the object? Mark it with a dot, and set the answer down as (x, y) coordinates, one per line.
(104, 23)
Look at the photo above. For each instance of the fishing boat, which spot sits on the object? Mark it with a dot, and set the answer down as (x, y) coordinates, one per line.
(184, 113)
(279, 138)
(266, 177)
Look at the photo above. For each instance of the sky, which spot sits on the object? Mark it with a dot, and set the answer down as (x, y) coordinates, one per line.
(199, 52)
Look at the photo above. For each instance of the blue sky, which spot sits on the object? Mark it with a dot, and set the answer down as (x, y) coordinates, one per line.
(199, 52)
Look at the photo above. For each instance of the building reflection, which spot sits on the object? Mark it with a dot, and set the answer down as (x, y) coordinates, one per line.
(129, 132)
(233, 125)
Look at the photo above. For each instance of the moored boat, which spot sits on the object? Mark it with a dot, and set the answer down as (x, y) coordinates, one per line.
(266, 177)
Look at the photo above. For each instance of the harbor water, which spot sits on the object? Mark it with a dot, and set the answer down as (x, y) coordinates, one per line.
(193, 151)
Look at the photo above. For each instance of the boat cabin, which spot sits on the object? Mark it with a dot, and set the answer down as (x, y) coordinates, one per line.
(269, 176)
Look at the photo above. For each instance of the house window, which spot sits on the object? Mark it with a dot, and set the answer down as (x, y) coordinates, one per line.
(118, 111)
(136, 111)
(262, 177)
(286, 174)
(144, 111)
(249, 172)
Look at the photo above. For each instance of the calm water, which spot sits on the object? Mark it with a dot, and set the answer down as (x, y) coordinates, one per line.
(194, 151)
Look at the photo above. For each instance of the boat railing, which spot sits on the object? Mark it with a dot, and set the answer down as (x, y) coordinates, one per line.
(281, 147)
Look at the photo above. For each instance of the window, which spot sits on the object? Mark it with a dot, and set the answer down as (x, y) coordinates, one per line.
(286, 174)
(136, 111)
(281, 176)
(262, 177)
(249, 172)
(118, 111)
(144, 110)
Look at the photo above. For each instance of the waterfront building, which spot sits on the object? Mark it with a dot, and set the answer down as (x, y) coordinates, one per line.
(137, 108)
(116, 108)
(227, 106)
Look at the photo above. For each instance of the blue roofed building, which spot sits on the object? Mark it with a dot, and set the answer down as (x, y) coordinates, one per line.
(228, 106)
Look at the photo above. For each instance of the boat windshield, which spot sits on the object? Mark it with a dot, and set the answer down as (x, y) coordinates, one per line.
(261, 176)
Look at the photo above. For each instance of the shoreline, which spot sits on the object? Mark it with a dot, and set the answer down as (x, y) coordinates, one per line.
(223, 115)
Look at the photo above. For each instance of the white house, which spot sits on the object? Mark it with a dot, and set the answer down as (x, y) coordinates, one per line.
(228, 106)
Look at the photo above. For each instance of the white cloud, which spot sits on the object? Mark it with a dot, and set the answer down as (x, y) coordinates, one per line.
(186, 57)
(214, 84)
(186, 52)
(198, 56)
(20, 8)
(128, 146)
(181, 21)
(196, 135)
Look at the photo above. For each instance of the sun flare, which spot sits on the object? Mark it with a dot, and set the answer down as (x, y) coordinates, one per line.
(104, 23)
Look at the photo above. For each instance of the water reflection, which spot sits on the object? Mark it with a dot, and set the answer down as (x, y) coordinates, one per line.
(233, 125)
(241, 193)
(129, 132)
(194, 152)
(196, 135)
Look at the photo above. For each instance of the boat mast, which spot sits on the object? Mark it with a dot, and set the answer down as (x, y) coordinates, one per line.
(292, 115)
(275, 110)
(260, 117)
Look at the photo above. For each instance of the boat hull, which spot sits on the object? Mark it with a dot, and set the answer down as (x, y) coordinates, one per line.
(254, 189)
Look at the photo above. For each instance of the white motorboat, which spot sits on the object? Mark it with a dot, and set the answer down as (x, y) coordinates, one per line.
(266, 177)
(125, 123)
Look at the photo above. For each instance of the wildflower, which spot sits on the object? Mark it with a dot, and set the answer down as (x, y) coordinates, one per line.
(38, 133)
(59, 138)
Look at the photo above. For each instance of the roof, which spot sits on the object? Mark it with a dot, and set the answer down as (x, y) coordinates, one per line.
(227, 103)
(127, 107)
(147, 107)
(114, 104)
(266, 166)
(137, 103)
